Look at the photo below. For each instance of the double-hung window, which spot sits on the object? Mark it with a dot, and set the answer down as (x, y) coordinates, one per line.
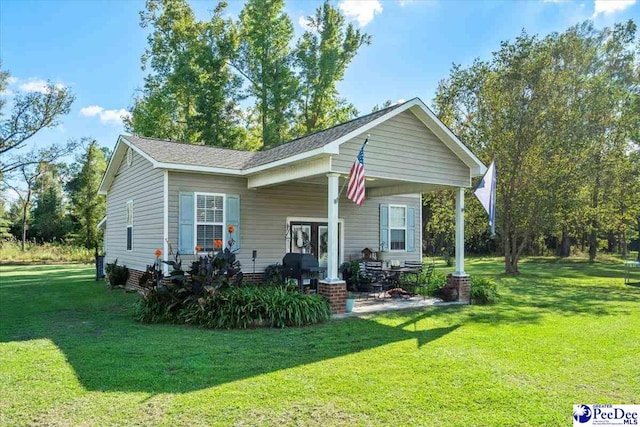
(398, 228)
(129, 222)
(209, 221)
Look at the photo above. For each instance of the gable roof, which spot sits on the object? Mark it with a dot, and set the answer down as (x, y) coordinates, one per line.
(204, 158)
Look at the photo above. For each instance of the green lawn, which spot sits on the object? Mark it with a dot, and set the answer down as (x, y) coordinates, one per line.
(564, 333)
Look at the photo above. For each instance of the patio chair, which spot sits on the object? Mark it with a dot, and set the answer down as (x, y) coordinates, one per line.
(373, 272)
(419, 286)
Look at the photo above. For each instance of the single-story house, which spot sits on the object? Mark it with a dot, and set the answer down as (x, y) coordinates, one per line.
(289, 198)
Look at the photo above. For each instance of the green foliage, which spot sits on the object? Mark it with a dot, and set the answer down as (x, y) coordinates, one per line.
(218, 271)
(247, 307)
(273, 274)
(190, 94)
(322, 55)
(117, 275)
(11, 252)
(49, 221)
(554, 113)
(351, 273)
(87, 206)
(265, 60)
(435, 284)
(484, 291)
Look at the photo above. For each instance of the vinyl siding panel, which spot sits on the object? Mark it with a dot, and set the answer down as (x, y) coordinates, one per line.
(264, 212)
(403, 148)
(144, 185)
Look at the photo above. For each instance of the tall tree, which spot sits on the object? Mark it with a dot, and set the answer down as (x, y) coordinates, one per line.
(191, 94)
(49, 217)
(88, 206)
(322, 55)
(30, 113)
(554, 114)
(265, 60)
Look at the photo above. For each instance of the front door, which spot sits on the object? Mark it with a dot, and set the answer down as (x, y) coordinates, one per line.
(311, 238)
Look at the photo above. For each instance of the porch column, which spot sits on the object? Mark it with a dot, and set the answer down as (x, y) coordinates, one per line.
(459, 284)
(460, 233)
(332, 227)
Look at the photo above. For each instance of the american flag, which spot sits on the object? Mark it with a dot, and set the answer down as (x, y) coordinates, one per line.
(355, 190)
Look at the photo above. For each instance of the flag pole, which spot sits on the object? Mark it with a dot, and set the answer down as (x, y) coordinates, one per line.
(344, 184)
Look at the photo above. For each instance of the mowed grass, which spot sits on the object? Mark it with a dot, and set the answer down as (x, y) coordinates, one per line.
(564, 333)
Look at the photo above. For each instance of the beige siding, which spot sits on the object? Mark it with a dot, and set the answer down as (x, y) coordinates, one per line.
(144, 185)
(263, 215)
(403, 148)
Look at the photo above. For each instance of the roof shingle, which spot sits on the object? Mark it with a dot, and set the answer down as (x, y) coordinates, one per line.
(205, 155)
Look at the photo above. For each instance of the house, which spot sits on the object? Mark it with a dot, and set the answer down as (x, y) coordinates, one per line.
(289, 198)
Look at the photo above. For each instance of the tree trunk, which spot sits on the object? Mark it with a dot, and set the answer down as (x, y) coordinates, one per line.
(611, 242)
(565, 244)
(593, 234)
(638, 219)
(25, 209)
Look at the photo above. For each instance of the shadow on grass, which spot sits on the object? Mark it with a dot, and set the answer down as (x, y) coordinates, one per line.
(110, 352)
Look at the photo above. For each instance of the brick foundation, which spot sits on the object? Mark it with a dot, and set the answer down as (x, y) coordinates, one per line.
(461, 285)
(336, 293)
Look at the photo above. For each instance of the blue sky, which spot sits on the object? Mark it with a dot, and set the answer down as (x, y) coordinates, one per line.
(94, 47)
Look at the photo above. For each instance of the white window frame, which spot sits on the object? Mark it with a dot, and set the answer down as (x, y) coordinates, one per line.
(398, 228)
(129, 225)
(196, 223)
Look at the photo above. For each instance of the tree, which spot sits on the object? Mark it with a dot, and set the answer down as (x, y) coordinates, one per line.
(191, 95)
(322, 56)
(31, 112)
(23, 178)
(49, 220)
(554, 114)
(88, 207)
(265, 60)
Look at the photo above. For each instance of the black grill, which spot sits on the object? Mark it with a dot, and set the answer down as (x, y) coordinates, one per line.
(300, 267)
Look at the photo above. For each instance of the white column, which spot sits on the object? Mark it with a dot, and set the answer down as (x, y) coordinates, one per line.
(460, 233)
(332, 226)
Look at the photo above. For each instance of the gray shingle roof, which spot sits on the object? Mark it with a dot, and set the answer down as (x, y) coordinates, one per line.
(208, 156)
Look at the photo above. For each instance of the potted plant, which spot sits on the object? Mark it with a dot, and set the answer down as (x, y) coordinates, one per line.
(351, 301)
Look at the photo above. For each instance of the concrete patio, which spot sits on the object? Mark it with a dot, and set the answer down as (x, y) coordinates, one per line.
(373, 304)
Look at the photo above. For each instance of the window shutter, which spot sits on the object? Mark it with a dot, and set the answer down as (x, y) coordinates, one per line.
(186, 216)
(232, 214)
(384, 228)
(411, 229)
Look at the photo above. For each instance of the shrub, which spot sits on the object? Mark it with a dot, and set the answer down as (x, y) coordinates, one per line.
(484, 291)
(237, 307)
(273, 274)
(117, 275)
(351, 273)
(436, 283)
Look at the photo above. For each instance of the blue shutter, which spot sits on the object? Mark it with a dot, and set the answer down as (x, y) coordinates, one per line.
(384, 228)
(411, 229)
(232, 214)
(186, 244)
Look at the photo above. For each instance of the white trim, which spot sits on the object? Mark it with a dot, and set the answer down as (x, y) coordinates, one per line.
(459, 233)
(128, 225)
(194, 168)
(195, 219)
(165, 225)
(301, 156)
(406, 211)
(102, 222)
(291, 219)
(420, 225)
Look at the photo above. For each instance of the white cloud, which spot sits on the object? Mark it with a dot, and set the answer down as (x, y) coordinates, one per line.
(304, 23)
(607, 7)
(113, 117)
(37, 85)
(399, 101)
(362, 11)
(12, 80)
(6, 92)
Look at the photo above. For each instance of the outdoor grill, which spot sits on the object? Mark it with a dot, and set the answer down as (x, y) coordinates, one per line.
(300, 267)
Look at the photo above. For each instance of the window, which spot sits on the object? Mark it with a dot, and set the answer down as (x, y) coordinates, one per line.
(398, 228)
(129, 213)
(209, 221)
